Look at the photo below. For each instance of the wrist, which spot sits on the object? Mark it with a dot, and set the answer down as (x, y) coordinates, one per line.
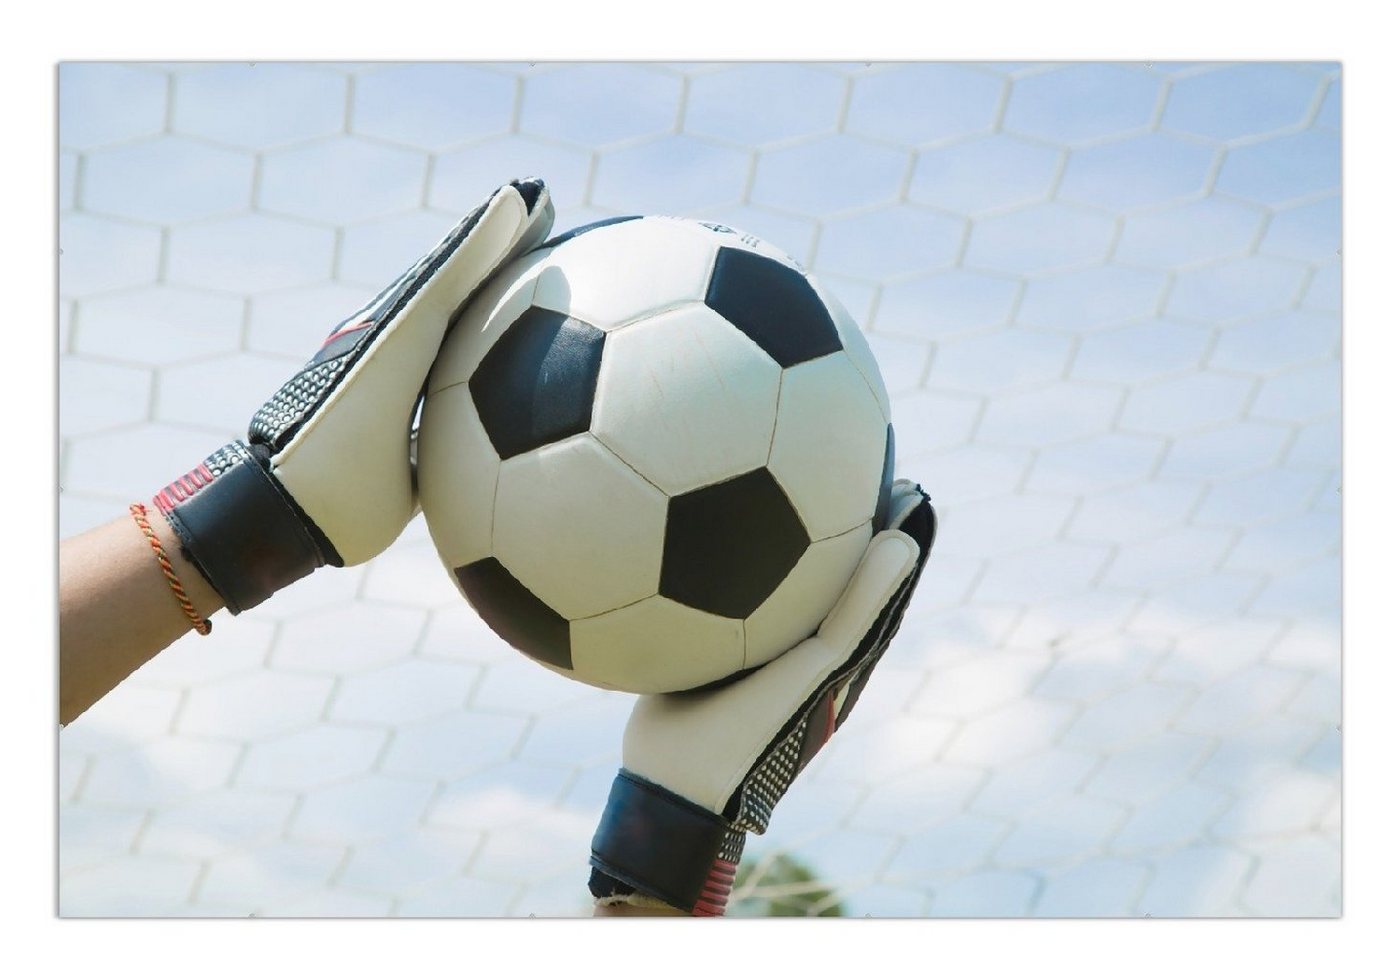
(242, 532)
(201, 594)
(654, 842)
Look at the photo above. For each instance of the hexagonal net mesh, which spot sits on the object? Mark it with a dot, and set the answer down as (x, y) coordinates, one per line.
(1106, 301)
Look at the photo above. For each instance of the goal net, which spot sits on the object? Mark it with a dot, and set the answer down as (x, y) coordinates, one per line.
(1106, 301)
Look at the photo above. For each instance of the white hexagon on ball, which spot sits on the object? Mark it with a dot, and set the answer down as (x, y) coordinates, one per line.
(686, 399)
(578, 527)
(457, 473)
(655, 646)
(829, 446)
(853, 340)
(605, 276)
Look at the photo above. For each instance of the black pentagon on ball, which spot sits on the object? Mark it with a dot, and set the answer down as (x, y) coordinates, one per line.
(516, 614)
(729, 545)
(535, 385)
(774, 305)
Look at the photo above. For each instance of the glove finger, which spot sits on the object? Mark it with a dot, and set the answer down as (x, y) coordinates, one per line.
(366, 414)
(919, 523)
(879, 574)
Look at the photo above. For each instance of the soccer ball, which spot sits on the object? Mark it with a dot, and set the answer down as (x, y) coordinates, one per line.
(652, 453)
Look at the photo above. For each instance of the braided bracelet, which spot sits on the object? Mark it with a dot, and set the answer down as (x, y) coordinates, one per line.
(201, 626)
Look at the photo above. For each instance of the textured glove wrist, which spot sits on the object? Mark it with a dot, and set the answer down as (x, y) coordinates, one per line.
(243, 532)
(652, 841)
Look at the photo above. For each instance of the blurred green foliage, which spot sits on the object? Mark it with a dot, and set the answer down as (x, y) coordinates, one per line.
(780, 885)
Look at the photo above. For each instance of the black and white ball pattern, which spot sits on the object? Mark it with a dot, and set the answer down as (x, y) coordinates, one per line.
(652, 452)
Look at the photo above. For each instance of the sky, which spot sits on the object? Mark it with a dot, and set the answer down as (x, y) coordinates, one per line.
(1105, 299)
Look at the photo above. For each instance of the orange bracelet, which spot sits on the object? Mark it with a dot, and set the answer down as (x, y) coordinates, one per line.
(201, 626)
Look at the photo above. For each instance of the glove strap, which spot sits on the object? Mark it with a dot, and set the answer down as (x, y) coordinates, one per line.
(652, 841)
(240, 529)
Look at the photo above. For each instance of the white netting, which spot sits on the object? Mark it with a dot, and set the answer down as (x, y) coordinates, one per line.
(1106, 299)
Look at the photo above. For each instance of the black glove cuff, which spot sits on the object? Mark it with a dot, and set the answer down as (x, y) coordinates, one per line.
(239, 528)
(652, 841)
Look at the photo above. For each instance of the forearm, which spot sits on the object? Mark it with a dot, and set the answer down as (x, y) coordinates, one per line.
(115, 608)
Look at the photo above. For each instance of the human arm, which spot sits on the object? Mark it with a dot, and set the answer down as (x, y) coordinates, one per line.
(116, 609)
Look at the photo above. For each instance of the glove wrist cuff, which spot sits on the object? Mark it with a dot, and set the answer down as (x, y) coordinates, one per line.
(652, 841)
(246, 536)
